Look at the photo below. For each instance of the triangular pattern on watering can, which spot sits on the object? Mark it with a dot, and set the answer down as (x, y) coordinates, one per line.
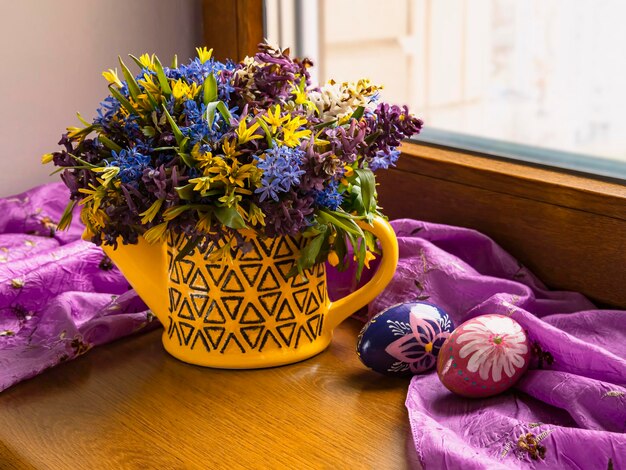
(209, 309)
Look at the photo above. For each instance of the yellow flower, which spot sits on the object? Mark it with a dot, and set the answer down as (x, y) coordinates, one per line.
(333, 258)
(94, 196)
(256, 215)
(150, 85)
(217, 167)
(292, 136)
(156, 233)
(229, 149)
(245, 133)
(147, 61)
(111, 76)
(108, 173)
(369, 256)
(275, 120)
(204, 54)
(202, 183)
(47, 158)
(151, 212)
(204, 222)
(203, 159)
(144, 102)
(73, 131)
(93, 219)
(181, 89)
(301, 96)
(348, 171)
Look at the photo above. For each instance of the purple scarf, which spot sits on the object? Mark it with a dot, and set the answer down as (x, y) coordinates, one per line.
(60, 296)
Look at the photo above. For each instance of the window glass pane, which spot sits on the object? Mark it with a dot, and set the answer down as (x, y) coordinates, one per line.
(541, 80)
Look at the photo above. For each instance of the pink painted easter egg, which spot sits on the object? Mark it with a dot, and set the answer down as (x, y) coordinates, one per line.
(484, 356)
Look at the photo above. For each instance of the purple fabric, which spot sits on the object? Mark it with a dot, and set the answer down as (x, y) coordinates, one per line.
(59, 297)
(573, 400)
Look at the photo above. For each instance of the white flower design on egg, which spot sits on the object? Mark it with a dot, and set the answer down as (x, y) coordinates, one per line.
(495, 344)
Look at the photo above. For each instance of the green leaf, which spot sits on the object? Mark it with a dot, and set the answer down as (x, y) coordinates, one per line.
(186, 158)
(209, 114)
(341, 220)
(358, 113)
(148, 131)
(133, 87)
(183, 144)
(152, 99)
(137, 61)
(268, 136)
(310, 252)
(172, 212)
(188, 248)
(367, 182)
(82, 119)
(86, 130)
(230, 217)
(80, 160)
(210, 89)
(341, 249)
(63, 168)
(359, 251)
(66, 218)
(185, 192)
(221, 107)
(178, 135)
(108, 143)
(163, 81)
(123, 101)
(322, 125)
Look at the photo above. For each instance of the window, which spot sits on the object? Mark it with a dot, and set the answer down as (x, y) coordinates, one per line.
(538, 80)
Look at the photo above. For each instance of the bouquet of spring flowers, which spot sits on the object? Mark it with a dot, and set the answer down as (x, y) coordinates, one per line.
(211, 148)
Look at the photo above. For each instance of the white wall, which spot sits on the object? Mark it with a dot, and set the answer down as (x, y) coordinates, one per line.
(52, 53)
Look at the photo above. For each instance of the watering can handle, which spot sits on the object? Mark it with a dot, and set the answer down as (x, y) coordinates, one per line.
(343, 308)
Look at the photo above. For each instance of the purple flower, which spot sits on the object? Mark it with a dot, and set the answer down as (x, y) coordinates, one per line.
(289, 216)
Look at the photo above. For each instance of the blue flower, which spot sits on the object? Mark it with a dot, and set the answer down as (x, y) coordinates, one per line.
(198, 128)
(106, 111)
(197, 71)
(329, 197)
(281, 171)
(384, 159)
(131, 164)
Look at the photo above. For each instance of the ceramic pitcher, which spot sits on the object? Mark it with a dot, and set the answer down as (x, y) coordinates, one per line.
(248, 313)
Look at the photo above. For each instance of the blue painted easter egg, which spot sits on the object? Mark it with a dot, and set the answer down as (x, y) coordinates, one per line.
(404, 339)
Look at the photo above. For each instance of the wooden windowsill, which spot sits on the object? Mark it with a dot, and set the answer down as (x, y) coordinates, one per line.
(131, 405)
(550, 185)
(568, 229)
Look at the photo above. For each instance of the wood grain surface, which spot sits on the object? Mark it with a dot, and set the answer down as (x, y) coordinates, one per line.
(569, 230)
(232, 28)
(129, 405)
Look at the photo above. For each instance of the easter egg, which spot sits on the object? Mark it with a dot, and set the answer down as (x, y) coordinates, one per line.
(404, 339)
(484, 356)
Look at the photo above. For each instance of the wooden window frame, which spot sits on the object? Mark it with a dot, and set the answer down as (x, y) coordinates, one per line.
(568, 228)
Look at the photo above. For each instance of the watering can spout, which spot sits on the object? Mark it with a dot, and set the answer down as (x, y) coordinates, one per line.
(144, 266)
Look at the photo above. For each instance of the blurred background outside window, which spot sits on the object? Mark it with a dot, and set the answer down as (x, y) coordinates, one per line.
(539, 80)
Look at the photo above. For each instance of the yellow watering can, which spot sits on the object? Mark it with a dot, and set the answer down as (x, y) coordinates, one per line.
(248, 313)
